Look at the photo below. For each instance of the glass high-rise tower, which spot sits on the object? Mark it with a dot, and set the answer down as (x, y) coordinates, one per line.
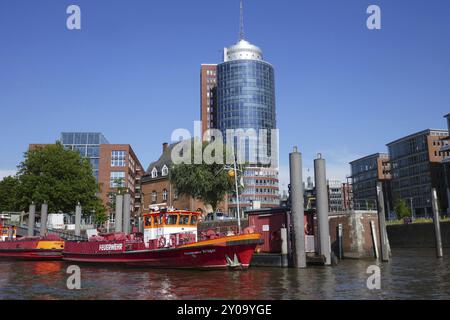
(246, 100)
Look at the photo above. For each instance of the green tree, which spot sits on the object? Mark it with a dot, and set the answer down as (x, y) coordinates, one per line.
(208, 183)
(401, 209)
(59, 177)
(8, 194)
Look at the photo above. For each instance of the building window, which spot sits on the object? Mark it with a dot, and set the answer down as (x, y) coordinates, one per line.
(175, 194)
(117, 179)
(154, 173)
(154, 197)
(165, 171)
(118, 158)
(165, 195)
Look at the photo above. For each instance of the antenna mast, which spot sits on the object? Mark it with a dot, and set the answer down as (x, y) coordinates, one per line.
(241, 32)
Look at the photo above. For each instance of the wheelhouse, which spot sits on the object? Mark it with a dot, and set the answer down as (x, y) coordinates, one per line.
(165, 224)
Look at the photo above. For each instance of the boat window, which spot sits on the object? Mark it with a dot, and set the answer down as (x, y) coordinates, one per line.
(184, 219)
(172, 219)
(148, 221)
(159, 220)
(194, 220)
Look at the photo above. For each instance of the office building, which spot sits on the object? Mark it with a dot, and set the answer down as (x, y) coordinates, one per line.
(246, 100)
(366, 172)
(416, 168)
(335, 195)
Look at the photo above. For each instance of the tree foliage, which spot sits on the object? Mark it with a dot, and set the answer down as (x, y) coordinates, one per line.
(208, 183)
(8, 194)
(59, 177)
(401, 209)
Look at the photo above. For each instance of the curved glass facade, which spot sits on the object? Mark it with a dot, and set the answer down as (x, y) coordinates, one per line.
(246, 100)
(245, 95)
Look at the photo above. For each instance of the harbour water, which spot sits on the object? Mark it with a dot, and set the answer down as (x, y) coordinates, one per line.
(411, 274)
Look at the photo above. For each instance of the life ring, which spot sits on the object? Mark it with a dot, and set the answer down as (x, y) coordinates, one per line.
(162, 242)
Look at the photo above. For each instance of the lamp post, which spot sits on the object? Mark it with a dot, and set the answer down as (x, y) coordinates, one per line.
(232, 171)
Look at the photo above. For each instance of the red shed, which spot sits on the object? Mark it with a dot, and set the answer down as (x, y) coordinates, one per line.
(268, 222)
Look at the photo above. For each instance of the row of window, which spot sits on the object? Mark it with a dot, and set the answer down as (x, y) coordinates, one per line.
(164, 172)
(165, 196)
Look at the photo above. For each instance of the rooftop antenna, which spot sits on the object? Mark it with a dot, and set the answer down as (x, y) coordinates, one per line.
(241, 31)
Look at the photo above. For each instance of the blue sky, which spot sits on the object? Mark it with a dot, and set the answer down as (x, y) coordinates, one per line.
(132, 72)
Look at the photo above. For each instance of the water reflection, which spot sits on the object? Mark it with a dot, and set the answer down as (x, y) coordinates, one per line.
(411, 274)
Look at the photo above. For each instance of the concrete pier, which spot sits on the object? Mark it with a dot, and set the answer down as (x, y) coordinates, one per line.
(31, 219)
(44, 212)
(119, 210)
(126, 213)
(437, 224)
(322, 208)
(78, 220)
(297, 208)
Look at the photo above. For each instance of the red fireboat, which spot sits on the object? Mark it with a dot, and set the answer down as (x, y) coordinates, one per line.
(29, 248)
(169, 240)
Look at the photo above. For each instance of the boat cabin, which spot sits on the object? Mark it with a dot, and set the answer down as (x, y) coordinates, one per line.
(7, 233)
(166, 227)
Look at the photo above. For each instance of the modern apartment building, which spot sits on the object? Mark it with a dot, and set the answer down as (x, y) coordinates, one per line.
(208, 96)
(365, 173)
(416, 168)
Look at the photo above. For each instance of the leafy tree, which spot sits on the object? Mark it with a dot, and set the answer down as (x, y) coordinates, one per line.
(208, 183)
(8, 194)
(401, 209)
(59, 177)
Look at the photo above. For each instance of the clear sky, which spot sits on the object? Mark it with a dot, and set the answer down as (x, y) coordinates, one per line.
(132, 71)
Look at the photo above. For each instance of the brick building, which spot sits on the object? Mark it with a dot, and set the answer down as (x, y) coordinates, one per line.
(158, 191)
(208, 99)
(111, 163)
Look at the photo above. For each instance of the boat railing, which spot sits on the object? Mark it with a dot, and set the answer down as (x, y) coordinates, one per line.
(23, 231)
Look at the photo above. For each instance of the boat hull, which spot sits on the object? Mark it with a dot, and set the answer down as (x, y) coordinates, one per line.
(41, 250)
(219, 254)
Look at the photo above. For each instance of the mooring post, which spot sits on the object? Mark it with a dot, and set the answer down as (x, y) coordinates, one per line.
(31, 219)
(340, 243)
(297, 207)
(119, 209)
(382, 224)
(284, 248)
(437, 223)
(374, 239)
(126, 213)
(78, 220)
(44, 212)
(322, 208)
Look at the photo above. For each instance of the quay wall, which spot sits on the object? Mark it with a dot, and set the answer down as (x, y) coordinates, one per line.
(356, 233)
(417, 235)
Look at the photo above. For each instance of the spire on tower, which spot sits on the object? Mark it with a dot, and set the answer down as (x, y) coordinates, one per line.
(241, 29)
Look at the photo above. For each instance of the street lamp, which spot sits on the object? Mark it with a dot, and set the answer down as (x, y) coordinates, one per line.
(233, 172)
